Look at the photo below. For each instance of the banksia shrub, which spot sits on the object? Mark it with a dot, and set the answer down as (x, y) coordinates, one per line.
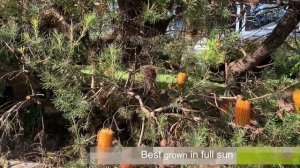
(242, 112)
(296, 100)
(104, 138)
(181, 79)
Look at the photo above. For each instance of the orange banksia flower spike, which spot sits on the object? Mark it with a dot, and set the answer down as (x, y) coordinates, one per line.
(242, 112)
(296, 100)
(181, 79)
(104, 138)
(104, 141)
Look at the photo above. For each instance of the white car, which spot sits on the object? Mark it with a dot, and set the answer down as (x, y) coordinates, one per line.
(247, 33)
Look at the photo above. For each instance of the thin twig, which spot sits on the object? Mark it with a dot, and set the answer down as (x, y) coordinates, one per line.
(163, 108)
(98, 92)
(142, 106)
(217, 107)
(173, 126)
(9, 74)
(188, 110)
(142, 132)
(93, 79)
(228, 98)
(196, 119)
(159, 127)
(226, 71)
(271, 94)
(243, 51)
(160, 109)
(215, 99)
(115, 121)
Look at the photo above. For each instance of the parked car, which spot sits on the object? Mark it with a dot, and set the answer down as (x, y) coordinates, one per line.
(259, 21)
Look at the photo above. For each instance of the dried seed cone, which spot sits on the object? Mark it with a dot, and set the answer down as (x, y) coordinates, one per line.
(242, 112)
(149, 74)
(181, 79)
(104, 138)
(296, 100)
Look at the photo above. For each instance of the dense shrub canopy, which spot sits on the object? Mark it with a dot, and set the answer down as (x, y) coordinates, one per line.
(69, 68)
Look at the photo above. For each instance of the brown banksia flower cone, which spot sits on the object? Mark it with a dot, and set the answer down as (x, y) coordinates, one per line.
(296, 100)
(242, 112)
(149, 73)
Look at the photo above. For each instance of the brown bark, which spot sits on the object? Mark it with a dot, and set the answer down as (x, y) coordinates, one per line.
(52, 18)
(273, 41)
